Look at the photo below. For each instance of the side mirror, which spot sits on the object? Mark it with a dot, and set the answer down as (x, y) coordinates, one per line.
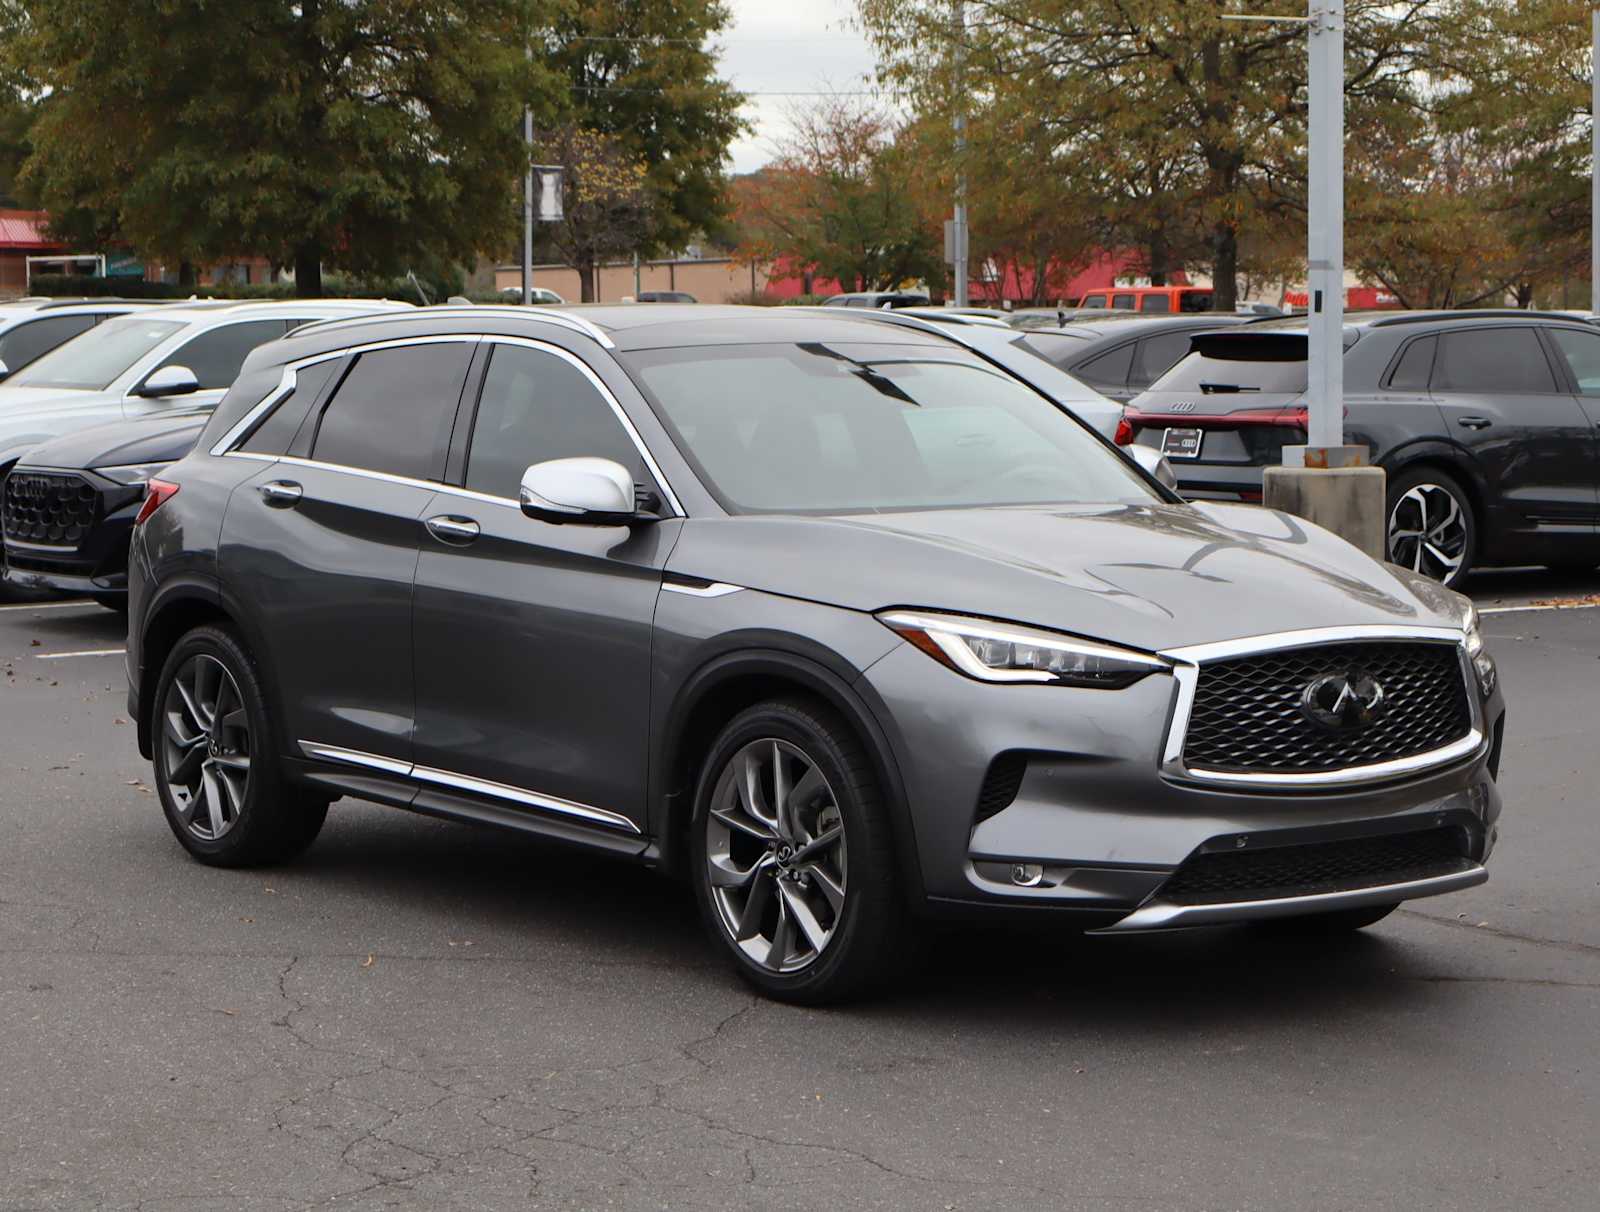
(598, 492)
(1155, 464)
(168, 381)
(5, 371)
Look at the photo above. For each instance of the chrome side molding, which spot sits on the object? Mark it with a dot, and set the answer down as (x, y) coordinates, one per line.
(463, 782)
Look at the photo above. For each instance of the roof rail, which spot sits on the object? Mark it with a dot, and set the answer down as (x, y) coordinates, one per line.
(94, 300)
(1487, 313)
(547, 315)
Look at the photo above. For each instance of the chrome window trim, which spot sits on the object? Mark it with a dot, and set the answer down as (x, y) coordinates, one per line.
(463, 782)
(1186, 674)
(286, 383)
(224, 446)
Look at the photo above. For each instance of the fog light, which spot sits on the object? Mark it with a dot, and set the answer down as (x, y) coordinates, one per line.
(1026, 875)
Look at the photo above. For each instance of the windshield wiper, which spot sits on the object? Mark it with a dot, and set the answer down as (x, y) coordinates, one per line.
(1212, 389)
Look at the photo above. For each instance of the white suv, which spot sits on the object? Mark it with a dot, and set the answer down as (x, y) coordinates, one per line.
(31, 328)
(152, 362)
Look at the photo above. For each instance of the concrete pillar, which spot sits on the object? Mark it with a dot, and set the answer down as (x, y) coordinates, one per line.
(1334, 488)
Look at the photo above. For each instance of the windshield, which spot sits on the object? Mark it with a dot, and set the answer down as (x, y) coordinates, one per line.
(97, 359)
(840, 428)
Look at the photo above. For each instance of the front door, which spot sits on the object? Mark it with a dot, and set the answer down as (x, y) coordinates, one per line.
(1533, 443)
(533, 640)
(326, 549)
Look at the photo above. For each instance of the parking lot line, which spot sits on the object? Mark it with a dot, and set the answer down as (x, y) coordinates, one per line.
(1531, 606)
(88, 652)
(49, 605)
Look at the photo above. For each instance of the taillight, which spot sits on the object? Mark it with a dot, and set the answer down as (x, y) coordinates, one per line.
(1124, 434)
(156, 494)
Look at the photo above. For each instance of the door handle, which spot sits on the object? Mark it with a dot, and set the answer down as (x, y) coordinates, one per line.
(448, 528)
(282, 494)
(1474, 422)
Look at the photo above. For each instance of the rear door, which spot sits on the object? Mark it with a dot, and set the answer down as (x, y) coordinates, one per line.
(533, 640)
(324, 546)
(1531, 438)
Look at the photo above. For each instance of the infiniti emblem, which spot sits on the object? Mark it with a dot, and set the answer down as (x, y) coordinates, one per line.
(1342, 701)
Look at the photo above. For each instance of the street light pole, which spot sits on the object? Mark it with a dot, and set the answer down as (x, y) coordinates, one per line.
(527, 203)
(1325, 212)
(1594, 172)
(959, 260)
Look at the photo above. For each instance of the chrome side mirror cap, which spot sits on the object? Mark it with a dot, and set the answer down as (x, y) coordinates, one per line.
(168, 381)
(1155, 464)
(597, 492)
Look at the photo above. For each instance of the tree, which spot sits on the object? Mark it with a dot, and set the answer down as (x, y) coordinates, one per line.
(366, 135)
(842, 201)
(1184, 116)
(644, 74)
(605, 201)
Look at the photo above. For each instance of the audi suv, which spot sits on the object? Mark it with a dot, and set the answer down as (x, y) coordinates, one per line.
(1487, 422)
(835, 619)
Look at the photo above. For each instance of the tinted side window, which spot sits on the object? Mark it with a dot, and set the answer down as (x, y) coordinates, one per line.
(1111, 367)
(273, 435)
(1196, 300)
(537, 406)
(1492, 360)
(1157, 355)
(1582, 352)
(1415, 368)
(394, 410)
(215, 356)
(1094, 301)
(28, 341)
(1122, 301)
(1156, 303)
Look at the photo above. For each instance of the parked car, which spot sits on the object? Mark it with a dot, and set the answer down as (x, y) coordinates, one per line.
(1485, 421)
(837, 620)
(538, 295)
(665, 296)
(68, 497)
(1120, 357)
(879, 298)
(1161, 299)
(31, 328)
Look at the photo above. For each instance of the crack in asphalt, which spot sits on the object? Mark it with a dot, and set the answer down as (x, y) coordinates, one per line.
(1512, 935)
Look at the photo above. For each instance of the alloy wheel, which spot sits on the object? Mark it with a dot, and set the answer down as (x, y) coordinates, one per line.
(205, 747)
(775, 855)
(1428, 532)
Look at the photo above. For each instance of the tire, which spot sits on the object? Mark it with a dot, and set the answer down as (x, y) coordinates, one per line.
(220, 787)
(1430, 525)
(1337, 921)
(850, 887)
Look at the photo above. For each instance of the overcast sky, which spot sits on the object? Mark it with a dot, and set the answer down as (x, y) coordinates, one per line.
(789, 46)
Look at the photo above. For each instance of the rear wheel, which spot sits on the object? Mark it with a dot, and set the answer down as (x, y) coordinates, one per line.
(215, 772)
(1338, 921)
(794, 863)
(1431, 525)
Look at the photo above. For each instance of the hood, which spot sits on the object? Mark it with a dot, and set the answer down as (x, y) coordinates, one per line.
(142, 440)
(30, 415)
(1147, 576)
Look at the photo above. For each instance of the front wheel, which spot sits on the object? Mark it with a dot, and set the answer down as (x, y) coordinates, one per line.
(794, 863)
(1431, 525)
(214, 759)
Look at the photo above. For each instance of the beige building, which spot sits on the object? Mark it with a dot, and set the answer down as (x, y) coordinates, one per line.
(710, 281)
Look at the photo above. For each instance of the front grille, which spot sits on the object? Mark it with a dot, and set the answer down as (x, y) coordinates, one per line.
(52, 509)
(1282, 871)
(1247, 714)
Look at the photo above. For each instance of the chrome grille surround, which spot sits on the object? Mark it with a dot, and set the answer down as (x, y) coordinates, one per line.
(1187, 671)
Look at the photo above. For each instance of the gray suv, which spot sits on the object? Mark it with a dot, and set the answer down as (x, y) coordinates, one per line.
(835, 619)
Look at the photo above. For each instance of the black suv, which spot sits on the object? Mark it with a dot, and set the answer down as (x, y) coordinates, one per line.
(1120, 355)
(1485, 421)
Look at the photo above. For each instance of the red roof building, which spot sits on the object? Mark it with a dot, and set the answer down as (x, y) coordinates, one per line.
(22, 235)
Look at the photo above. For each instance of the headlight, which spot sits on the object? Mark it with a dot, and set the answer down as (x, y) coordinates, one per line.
(134, 473)
(1007, 652)
(1482, 663)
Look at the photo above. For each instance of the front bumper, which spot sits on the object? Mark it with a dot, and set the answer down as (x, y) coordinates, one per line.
(97, 562)
(1098, 821)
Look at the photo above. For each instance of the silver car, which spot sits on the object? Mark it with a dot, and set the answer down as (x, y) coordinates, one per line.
(148, 363)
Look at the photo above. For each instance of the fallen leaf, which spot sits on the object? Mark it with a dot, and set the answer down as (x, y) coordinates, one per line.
(368, 962)
(247, 919)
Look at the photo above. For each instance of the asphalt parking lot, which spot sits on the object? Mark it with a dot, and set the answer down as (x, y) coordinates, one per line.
(424, 1015)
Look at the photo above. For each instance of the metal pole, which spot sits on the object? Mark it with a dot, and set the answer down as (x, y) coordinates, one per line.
(527, 203)
(1325, 124)
(1594, 136)
(961, 242)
